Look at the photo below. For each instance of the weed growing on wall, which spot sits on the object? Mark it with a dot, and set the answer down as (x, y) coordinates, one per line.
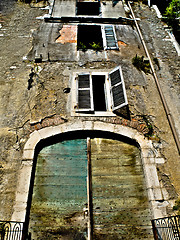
(141, 64)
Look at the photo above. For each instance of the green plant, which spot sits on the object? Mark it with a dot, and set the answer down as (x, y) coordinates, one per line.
(96, 46)
(82, 46)
(172, 14)
(149, 126)
(176, 207)
(141, 64)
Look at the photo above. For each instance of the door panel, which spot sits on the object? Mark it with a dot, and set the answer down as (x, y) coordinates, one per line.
(120, 205)
(60, 192)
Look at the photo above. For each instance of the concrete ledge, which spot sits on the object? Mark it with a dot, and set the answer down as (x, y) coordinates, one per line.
(155, 194)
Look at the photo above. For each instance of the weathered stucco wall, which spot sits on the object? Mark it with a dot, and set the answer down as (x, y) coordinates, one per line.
(45, 107)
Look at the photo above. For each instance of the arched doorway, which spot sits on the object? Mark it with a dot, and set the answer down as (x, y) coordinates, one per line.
(120, 208)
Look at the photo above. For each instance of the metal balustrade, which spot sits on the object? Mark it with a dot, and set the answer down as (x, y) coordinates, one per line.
(10, 230)
(166, 228)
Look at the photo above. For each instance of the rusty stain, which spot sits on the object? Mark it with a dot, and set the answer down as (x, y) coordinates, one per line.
(68, 34)
(120, 43)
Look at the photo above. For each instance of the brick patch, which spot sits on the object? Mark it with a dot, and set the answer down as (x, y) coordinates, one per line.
(47, 122)
(138, 124)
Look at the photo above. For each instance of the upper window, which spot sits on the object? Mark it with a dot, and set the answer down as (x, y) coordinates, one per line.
(89, 37)
(88, 8)
(100, 92)
(96, 37)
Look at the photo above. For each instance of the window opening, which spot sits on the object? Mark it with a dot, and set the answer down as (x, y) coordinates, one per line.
(89, 37)
(98, 82)
(88, 8)
(96, 94)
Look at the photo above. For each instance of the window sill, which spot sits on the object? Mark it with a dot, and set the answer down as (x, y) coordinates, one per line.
(94, 114)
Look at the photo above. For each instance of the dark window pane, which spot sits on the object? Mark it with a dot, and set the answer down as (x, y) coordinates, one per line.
(118, 95)
(84, 100)
(84, 81)
(115, 77)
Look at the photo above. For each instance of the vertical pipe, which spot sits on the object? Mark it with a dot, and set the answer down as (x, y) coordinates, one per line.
(89, 191)
(163, 100)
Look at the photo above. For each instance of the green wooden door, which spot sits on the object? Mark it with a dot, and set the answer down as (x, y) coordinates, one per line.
(120, 207)
(60, 192)
(120, 204)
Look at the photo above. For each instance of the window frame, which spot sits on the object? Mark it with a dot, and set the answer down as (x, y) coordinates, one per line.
(108, 90)
(85, 15)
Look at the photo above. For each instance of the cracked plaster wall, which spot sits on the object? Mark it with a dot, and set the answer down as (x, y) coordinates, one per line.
(45, 105)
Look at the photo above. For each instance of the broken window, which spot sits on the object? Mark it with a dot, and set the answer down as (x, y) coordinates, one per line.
(95, 93)
(96, 37)
(89, 37)
(88, 8)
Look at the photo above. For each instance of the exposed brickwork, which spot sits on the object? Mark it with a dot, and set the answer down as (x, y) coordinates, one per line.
(138, 124)
(47, 122)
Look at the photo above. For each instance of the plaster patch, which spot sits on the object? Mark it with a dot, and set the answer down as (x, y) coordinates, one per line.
(68, 34)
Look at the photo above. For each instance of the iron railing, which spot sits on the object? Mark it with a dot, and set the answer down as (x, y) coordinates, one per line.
(10, 230)
(166, 228)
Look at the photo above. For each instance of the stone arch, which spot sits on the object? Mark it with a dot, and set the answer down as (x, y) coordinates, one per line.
(149, 159)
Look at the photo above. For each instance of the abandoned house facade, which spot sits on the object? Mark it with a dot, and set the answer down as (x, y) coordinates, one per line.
(95, 149)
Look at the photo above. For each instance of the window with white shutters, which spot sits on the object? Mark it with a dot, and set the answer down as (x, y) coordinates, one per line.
(95, 94)
(118, 91)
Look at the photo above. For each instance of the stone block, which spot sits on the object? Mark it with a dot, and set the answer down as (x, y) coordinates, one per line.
(125, 131)
(155, 194)
(32, 141)
(159, 160)
(19, 213)
(147, 153)
(157, 213)
(104, 126)
(147, 160)
(151, 176)
(28, 154)
(89, 125)
(143, 142)
(48, 132)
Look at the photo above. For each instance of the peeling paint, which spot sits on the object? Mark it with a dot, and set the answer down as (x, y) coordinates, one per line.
(68, 34)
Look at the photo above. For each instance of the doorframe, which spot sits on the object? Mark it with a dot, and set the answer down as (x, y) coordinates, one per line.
(149, 158)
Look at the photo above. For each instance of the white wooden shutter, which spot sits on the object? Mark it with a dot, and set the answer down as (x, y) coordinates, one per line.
(110, 40)
(118, 91)
(84, 93)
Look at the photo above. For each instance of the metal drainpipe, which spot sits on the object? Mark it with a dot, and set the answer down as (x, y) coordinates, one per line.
(168, 113)
(89, 191)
